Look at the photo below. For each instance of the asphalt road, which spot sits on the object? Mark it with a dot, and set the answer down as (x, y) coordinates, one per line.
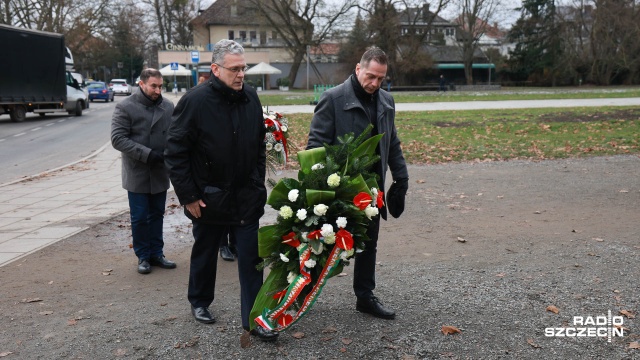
(43, 143)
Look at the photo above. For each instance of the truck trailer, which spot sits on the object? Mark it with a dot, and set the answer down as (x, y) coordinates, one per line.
(33, 76)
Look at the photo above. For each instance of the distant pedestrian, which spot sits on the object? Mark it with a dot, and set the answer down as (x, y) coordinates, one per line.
(201, 80)
(138, 130)
(443, 84)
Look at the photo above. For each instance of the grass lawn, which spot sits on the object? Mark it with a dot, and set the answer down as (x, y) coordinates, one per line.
(501, 134)
(299, 97)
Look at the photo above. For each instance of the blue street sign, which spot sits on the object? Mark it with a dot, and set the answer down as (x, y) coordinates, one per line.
(195, 56)
(174, 66)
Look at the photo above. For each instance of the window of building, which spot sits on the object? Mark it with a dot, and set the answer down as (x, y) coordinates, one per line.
(274, 35)
(263, 37)
(243, 35)
(231, 35)
(252, 35)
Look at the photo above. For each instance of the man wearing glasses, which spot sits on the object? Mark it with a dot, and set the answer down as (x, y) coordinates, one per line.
(217, 162)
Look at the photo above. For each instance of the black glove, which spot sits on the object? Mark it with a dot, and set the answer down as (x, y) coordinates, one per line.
(155, 157)
(395, 197)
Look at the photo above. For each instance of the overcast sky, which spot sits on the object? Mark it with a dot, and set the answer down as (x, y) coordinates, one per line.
(505, 17)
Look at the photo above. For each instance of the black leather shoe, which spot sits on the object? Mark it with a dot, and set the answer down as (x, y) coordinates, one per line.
(162, 262)
(264, 334)
(374, 307)
(143, 266)
(226, 254)
(202, 315)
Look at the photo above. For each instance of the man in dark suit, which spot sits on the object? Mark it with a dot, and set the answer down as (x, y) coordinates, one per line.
(350, 108)
(138, 129)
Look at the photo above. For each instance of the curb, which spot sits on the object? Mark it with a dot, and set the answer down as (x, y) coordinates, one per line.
(95, 153)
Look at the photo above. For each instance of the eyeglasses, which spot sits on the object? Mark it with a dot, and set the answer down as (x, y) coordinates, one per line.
(235, 70)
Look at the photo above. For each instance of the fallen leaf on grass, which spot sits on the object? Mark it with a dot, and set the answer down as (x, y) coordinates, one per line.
(329, 329)
(634, 345)
(130, 246)
(344, 350)
(420, 181)
(5, 353)
(533, 344)
(553, 309)
(628, 314)
(461, 239)
(30, 300)
(448, 330)
(342, 274)
(347, 341)
(598, 239)
(624, 191)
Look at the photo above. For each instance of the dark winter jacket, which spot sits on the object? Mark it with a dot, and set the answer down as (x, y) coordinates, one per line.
(216, 141)
(339, 112)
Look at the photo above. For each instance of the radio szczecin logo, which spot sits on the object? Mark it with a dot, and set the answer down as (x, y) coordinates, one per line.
(589, 326)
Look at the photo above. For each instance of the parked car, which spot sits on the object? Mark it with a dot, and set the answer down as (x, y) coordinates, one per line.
(120, 86)
(99, 90)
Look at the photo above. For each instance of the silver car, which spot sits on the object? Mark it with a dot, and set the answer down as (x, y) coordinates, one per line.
(120, 86)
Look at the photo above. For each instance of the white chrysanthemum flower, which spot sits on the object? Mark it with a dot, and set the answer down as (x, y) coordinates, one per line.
(326, 229)
(291, 277)
(320, 209)
(341, 222)
(374, 199)
(293, 195)
(286, 212)
(283, 257)
(319, 250)
(284, 128)
(301, 214)
(333, 180)
(278, 147)
(351, 252)
(272, 116)
(358, 250)
(344, 256)
(269, 146)
(370, 211)
(317, 166)
(330, 239)
(310, 263)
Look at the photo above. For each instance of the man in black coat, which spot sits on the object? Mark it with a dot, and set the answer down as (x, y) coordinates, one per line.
(217, 164)
(349, 108)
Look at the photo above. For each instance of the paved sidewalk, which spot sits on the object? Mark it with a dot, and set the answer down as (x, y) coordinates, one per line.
(52, 206)
(46, 208)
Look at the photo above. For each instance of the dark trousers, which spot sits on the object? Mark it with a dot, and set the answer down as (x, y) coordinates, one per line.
(147, 213)
(204, 262)
(364, 269)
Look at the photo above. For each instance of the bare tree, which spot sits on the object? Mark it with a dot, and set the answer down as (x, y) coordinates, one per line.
(474, 20)
(303, 23)
(406, 50)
